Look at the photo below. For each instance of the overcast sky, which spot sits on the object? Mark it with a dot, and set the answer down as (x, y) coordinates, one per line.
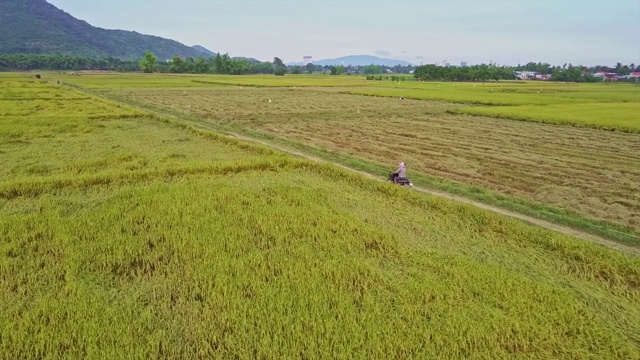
(584, 32)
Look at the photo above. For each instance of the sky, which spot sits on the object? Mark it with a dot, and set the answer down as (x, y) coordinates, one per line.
(507, 32)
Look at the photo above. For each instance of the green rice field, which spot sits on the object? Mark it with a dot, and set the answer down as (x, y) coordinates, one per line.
(131, 228)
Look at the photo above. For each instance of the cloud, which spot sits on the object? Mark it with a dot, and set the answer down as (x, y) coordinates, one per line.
(382, 53)
(420, 57)
(403, 51)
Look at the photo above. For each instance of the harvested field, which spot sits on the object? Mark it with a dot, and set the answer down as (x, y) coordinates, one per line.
(591, 172)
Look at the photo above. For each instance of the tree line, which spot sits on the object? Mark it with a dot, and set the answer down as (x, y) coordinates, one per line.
(220, 64)
(224, 64)
(483, 72)
(545, 68)
(64, 62)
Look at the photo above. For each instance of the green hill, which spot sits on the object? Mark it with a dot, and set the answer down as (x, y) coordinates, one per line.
(37, 27)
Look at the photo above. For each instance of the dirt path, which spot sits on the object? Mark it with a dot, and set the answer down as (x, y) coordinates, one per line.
(529, 219)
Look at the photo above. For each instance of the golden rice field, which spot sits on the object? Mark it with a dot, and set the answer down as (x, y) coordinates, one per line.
(115, 80)
(598, 115)
(600, 106)
(592, 173)
(132, 235)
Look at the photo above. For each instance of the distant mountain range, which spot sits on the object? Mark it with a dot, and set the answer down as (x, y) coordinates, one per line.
(37, 27)
(358, 60)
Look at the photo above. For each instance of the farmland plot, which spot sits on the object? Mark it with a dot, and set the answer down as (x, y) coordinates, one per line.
(193, 245)
(600, 106)
(589, 172)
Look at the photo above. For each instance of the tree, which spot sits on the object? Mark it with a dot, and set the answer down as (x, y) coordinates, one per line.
(310, 68)
(372, 69)
(625, 70)
(201, 66)
(295, 70)
(148, 63)
(280, 68)
(178, 65)
(337, 70)
(217, 64)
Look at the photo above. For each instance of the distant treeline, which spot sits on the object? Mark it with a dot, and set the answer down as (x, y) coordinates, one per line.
(64, 62)
(545, 68)
(483, 72)
(492, 72)
(221, 64)
(224, 64)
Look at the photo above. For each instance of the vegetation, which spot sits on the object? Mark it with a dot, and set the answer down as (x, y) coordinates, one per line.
(485, 72)
(471, 73)
(372, 70)
(337, 70)
(129, 235)
(65, 62)
(608, 116)
(148, 63)
(545, 68)
(226, 65)
(601, 106)
(112, 80)
(219, 64)
(279, 68)
(523, 166)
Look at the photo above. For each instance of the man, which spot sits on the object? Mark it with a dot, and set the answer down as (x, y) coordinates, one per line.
(401, 173)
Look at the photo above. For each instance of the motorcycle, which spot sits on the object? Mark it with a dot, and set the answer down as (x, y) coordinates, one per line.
(393, 177)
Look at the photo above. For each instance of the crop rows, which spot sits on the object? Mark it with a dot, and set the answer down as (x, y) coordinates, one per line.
(593, 173)
(598, 106)
(147, 238)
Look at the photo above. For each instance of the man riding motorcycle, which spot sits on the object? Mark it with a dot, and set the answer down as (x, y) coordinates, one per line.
(399, 174)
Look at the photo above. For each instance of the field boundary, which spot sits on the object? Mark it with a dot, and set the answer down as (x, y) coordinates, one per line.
(558, 122)
(32, 187)
(618, 240)
(529, 219)
(464, 108)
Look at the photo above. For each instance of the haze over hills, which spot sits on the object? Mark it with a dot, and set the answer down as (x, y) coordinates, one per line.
(205, 52)
(358, 60)
(37, 27)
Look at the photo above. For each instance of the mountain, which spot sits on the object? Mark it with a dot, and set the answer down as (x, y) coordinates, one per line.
(37, 27)
(204, 51)
(359, 60)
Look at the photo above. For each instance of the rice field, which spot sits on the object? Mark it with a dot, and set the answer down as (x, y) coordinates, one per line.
(116, 80)
(600, 106)
(136, 236)
(592, 173)
(608, 116)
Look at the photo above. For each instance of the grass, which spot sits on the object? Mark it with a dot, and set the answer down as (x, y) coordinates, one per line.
(210, 247)
(600, 106)
(115, 80)
(607, 116)
(209, 265)
(584, 172)
(34, 142)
